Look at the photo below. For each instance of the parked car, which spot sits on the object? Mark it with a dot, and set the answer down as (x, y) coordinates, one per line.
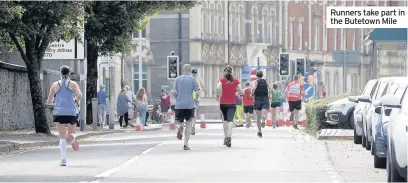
(340, 112)
(379, 143)
(361, 109)
(396, 130)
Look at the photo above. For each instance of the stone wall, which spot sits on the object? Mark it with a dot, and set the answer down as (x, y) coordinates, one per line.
(16, 111)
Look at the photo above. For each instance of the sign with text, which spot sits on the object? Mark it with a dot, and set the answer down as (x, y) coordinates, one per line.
(367, 17)
(62, 50)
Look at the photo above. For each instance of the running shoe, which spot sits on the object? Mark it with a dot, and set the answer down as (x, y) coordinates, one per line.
(186, 148)
(180, 132)
(259, 134)
(263, 124)
(193, 131)
(228, 142)
(225, 141)
(295, 127)
(72, 140)
(63, 162)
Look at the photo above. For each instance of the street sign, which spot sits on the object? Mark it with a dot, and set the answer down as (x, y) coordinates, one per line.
(252, 75)
(62, 50)
(308, 90)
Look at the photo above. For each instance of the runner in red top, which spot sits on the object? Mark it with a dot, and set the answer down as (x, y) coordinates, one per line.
(226, 87)
(248, 102)
(295, 93)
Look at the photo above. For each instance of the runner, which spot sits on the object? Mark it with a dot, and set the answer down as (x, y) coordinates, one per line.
(240, 112)
(275, 103)
(226, 88)
(65, 112)
(260, 91)
(294, 93)
(248, 101)
(183, 88)
(196, 98)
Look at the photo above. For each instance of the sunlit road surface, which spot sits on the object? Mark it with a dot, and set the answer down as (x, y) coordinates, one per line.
(281, 155)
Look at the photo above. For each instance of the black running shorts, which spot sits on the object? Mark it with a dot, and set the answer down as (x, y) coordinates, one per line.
(295, 105)
(184, 115)
(261, 103)
(249, 109)
(228, 111)
(275, 104)
(65, 119)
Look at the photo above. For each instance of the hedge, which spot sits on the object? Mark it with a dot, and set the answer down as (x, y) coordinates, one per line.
(316, 109)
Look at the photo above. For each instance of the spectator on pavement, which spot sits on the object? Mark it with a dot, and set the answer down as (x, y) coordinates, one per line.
(65, 112)
(141, 103)
(165, 104)
(102, 105)
(123, 107)
(131, 96)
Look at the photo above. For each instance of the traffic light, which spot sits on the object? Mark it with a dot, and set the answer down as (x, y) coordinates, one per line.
(172, 67)
(284, 65)
(300, 66)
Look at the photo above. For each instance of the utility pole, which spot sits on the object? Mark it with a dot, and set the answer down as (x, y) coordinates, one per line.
(259, 64)
(140, 60)
(110, 82)
(345, 71)
(82, 80)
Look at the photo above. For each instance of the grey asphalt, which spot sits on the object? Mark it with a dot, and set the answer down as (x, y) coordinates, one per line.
(282, 155)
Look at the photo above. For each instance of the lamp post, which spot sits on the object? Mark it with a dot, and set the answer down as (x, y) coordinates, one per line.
(228, 30)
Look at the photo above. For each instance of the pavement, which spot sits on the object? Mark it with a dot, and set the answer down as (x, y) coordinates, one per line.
(282, 155)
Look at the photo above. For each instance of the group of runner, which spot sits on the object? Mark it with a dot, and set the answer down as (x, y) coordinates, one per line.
(186, 90)
(255, 97)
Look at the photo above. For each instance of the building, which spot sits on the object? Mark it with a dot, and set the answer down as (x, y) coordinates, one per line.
(199, 36)
(306, 36)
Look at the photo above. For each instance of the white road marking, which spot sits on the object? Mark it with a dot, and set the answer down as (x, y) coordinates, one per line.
(333, 177)
(119, 167)
(331, 172)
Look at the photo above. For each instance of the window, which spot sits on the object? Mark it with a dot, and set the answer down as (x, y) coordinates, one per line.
(300, 34)
(334, 39)
(136, 77)
(242, 23)
(380, 90)
(136, 34)
(316, 40)
(354, 39)
(291, 35)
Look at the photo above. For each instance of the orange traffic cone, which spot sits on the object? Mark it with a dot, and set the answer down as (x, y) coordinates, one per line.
(138, 125)
(249, 123)
(269, 118)
(202, 123)
(281, 118)
(288, 122)
(172, 125)
(302, 119)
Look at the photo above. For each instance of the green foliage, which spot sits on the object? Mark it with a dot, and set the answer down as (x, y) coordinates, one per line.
(110, 24)
(36, 24)
(316, 109)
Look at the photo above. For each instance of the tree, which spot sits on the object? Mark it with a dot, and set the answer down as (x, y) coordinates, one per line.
(30, 27)
(109, 28)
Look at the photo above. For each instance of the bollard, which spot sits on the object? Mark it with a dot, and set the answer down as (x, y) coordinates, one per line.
(94, 113)
(109, 116)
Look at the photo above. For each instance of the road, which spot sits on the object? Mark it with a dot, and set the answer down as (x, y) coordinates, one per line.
(282, 155)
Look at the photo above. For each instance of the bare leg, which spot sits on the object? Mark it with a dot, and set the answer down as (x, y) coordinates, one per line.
(225, 127)
(264, 116)
(63, 141)
(187, 132)
(273, 116)
(258, 120)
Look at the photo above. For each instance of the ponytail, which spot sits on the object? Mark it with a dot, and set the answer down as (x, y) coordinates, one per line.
(229, 77)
